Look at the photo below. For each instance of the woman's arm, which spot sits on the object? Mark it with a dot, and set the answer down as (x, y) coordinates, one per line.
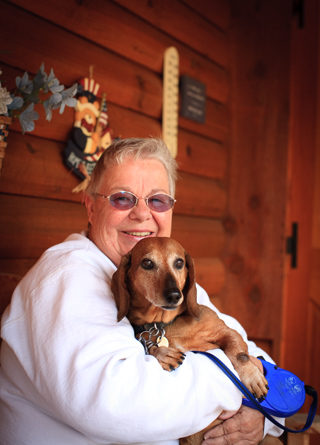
(91, 373)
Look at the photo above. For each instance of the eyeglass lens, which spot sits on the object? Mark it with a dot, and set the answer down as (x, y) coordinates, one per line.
(126, 200)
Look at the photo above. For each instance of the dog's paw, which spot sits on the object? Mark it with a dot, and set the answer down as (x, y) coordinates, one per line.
(169, 358)
(254, 380)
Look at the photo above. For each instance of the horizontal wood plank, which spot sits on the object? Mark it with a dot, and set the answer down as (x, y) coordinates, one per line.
(18, 267)
(201, 156)
(8, 283)
(200, 196)
(127, 84)
(34, 168)
(217, 122)
(178, 20)
(217, 11)
(201, 237)
(196, 154)
(210, 274)
(28, 226)
(123, 121)
(132, 37)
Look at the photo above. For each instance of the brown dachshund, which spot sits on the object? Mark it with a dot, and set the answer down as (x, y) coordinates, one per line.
(155, 288)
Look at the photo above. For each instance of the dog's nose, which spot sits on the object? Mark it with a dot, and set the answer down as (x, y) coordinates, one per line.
(172, 295)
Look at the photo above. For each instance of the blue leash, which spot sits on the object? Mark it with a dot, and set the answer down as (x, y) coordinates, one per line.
(291, 396)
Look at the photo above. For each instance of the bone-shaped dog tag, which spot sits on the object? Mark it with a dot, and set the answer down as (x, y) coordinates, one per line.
(162, 341)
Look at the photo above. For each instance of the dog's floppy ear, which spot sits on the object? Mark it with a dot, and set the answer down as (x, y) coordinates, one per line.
(119, 287)
(190, 290)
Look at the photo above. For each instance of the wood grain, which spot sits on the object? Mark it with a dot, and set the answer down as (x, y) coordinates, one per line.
(255, 247)
(124, 121)
(228, 214)
(133, 38)
(128, 84)
(201, 237)
(38, 170)
(28, 226)
(210, 275)
(180, 21)
(217, 11)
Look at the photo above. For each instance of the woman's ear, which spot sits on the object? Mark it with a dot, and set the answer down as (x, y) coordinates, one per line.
(119, 287)
(89, 202)
(190, 290)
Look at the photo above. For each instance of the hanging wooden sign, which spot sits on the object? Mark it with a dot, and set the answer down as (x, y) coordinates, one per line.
(91, 134)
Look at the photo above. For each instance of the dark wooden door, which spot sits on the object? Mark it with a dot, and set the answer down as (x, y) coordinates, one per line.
(300, 345)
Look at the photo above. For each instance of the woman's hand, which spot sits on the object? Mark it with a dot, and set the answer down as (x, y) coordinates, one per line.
(244, 428)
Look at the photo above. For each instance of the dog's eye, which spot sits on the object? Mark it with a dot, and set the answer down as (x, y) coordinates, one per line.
(147, 264)
(179, 263)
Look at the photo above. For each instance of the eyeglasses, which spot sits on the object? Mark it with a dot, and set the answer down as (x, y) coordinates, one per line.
(159, 202)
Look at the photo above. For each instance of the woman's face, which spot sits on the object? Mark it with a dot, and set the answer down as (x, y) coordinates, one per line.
(115, 231)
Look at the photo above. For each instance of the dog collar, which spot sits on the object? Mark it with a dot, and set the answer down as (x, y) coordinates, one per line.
(145, 333)
(138, 329)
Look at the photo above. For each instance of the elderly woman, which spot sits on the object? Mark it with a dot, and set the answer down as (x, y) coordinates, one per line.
(70, 373)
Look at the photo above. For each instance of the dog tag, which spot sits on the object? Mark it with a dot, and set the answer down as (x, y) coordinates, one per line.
(162, 341)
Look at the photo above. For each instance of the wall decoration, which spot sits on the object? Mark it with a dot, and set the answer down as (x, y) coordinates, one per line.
(193, 99)
(5, 123)
(170, 99)
(91, 134)
(21, 101)
(42, 89)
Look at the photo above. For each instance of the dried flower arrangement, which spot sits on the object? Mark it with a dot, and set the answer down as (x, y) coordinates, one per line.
(42, 89)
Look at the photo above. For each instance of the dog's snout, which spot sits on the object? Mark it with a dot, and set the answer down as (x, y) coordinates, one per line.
(171, 292)
(173, 295)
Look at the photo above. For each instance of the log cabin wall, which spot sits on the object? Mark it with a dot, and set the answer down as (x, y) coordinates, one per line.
(225, 214)
(124, 41)
(255, 250)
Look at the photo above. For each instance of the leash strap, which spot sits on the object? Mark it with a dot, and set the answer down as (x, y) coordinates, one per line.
(309, 390)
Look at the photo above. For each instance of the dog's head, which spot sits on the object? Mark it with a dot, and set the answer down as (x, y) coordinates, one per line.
(156, 275)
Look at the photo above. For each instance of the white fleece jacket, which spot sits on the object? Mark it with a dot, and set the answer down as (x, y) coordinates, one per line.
(72, 375)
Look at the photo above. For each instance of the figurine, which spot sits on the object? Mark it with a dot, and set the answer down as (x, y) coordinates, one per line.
(91, 134)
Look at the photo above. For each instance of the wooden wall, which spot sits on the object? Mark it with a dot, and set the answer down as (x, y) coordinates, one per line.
(124, 41)
(301, 300)
(231, 197)
(257, 171)
(235, 186)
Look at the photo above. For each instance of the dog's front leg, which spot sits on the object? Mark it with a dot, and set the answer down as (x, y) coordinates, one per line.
(169, 358)
(237, 351)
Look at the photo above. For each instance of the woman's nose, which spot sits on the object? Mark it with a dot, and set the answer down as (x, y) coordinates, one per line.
(140, 211)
